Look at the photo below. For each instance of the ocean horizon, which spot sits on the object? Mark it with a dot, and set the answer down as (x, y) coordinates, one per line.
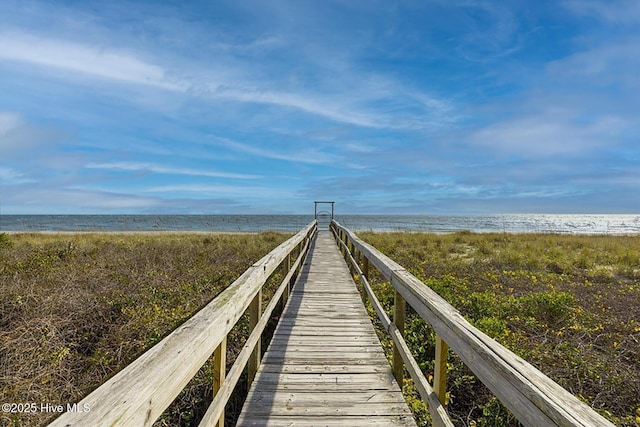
(509, 223)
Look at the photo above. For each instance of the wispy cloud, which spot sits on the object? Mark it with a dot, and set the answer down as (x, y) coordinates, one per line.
(8, 122)
(547, 135)
(612, 63)
(41, 198)
(234, 81)
(10, 176)
(309, 103)
(18, 137)
(159, 169)
(82, 58)
(296, 155)
(488, 30)
(422, 106)
(46, 199)
(253, 192)
(616, 12)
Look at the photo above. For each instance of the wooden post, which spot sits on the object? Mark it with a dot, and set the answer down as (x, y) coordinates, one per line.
(295, 276)
(440, 369)
(399, 306)
(219, 372)
(365, 268)
(286, 266)
(255, 311)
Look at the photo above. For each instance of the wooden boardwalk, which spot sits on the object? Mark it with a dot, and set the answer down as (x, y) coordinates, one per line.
(325, 365)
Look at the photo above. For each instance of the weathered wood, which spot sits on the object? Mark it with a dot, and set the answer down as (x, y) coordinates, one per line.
(286, 267)
(322, 368)
(440, 370)
(312, 409)
(255, 312)
(339, 398)
(242, 359)
(331, 421)
(219, 373)
(399, 308)
(439, 416)
(532, 397)
(324, 345)
(139, 393)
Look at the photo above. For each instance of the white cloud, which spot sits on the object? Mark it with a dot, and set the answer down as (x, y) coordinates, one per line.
(548, 135)
(306, 155)
(616, 12)
(9, 176)
(9, 122)
(613, 63)
(83, 58)
(485, 30)
(38, 198)
(18, 137)
(148, 167)
(248, 191)
(312, 103)
(235, 84)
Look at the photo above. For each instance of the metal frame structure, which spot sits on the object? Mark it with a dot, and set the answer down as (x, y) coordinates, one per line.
(315, 213)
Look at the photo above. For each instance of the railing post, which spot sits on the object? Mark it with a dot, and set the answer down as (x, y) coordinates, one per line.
(255, 311)
(219, 372)
(299, 268)
(440, 369)
(286, 266)
(399, 306)
(365, 268)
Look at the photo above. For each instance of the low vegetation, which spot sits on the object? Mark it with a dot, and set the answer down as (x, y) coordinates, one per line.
(567, 304)
(77, 308)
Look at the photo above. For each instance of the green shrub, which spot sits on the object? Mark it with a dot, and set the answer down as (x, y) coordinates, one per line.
(567, 304)
(551, 308)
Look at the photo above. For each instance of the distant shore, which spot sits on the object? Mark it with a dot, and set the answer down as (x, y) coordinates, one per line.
(510, 223)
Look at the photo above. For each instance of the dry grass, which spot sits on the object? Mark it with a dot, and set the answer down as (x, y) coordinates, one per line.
(75, 309)
(567, 304)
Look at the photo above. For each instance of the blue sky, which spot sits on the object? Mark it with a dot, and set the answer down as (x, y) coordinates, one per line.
(429, 106)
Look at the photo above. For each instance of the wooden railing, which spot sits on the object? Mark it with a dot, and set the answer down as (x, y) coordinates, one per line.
(534, 398)
(139, 394)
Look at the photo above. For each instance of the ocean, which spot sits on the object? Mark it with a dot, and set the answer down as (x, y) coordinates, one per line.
(508, 223)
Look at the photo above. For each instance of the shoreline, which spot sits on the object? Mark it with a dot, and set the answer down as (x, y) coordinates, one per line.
(597, 224)
(130, 232)
(384, 232)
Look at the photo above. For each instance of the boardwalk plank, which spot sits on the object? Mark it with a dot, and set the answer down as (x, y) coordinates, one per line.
(345, 398)
(322, 368)
(325, 365)
(353, 421)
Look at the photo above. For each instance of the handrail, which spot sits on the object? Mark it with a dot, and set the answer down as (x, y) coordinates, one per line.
(216, 408)
(438, 413)
(531, 396)
(139, 393)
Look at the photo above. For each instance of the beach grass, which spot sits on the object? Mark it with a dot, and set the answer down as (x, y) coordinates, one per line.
(77, 308)
(567, 304)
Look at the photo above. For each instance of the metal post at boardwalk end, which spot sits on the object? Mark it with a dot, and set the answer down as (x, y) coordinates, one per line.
(317, 213)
